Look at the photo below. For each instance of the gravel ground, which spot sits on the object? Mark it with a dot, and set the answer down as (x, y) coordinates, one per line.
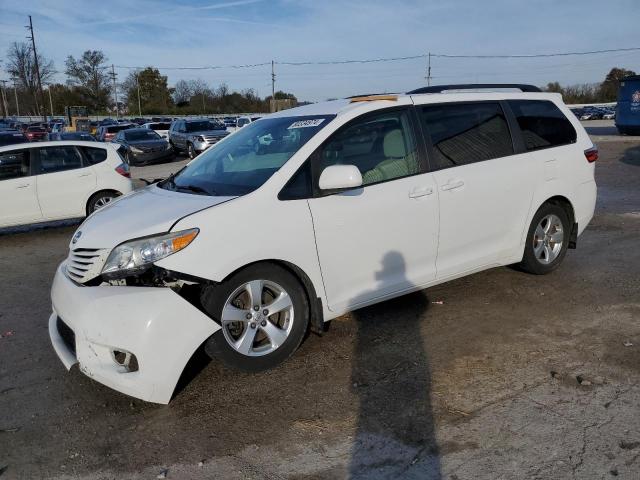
(497, 375)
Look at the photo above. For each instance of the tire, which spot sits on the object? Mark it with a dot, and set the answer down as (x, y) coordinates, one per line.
(100, 200)
(191, 152)
(254, 349)
(547, 240)
(176, 150)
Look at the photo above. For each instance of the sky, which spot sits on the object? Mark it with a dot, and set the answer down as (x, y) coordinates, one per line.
(198, 33)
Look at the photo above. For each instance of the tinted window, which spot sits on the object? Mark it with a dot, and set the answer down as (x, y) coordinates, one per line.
(542, 124)
(201, 126)
(57, 159)
(242, 122)
(117, 128)
(382, 146)
(299, 186)
(14, 164)
(466, 133)
(159, 126)
(141, 134)
(95, 155)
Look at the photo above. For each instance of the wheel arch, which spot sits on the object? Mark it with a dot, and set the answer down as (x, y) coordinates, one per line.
(316, 315)
(95, 194)
(566, 204)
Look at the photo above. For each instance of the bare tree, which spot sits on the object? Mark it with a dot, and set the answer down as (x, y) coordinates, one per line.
(182, 92)
(21, 66)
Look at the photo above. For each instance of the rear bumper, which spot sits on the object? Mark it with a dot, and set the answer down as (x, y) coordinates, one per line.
(155, 324)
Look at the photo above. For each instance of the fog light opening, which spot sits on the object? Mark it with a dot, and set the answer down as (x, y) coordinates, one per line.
(125, 359)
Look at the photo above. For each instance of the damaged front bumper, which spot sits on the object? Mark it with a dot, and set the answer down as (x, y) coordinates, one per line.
(99, 326)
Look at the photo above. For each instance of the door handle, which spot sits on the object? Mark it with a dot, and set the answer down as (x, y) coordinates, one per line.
(24, 186)
(453, 184)
(84, 175)
(420, 192)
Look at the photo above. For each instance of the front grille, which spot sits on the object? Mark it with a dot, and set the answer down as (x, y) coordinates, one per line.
(68, 337)
(85, 263)
(211, 139)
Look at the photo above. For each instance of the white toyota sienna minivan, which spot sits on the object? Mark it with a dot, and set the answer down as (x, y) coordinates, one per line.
(312, 212)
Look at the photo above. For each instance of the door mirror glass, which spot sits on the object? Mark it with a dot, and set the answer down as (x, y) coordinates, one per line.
(339, 177)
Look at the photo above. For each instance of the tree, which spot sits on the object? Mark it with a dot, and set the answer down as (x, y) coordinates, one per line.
(21, 66)
(89, 74)
(182, 93)
(609, 88)
(155, 96)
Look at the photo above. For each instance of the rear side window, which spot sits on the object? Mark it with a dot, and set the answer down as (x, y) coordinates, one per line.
(14, 164)
(95, 155)
(466, 133)
(57, 159)
(543, 125)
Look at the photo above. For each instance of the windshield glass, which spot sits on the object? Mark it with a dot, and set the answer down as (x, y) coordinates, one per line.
(133, 135)
(246, 159)
(202, 126)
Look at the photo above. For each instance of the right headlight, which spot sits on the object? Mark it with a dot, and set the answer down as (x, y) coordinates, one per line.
(137, 255)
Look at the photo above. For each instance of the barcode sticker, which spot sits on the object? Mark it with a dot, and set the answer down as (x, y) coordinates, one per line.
(306, 123)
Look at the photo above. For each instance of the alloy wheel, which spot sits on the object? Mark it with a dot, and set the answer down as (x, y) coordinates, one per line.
(257, 318)
(547, 239)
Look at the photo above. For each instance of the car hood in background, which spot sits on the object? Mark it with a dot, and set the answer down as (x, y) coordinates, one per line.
(148, 211)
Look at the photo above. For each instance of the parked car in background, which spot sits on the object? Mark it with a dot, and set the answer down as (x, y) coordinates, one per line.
(230, 121)
(371, 198)
(54, 180)
(87, 137)
(141, 146)
(195, 136)
(10, 137)
(36, 133)
(609, 115)
(161, 128)
(106, 133)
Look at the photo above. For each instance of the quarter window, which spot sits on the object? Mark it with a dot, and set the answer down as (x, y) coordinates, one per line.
(95, 155)
(382, 146)
(466, 133)
(57, 159)
(542, 124)
(14, 164)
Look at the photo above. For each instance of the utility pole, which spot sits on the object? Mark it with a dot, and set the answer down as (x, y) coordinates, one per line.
(3, 102)
(273, 80)
(429, 70)
(50, 101)
(15, 93)
(138, 85)
(115, 89)
(35, 57)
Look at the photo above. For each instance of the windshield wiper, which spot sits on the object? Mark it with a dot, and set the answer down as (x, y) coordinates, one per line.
(195, 189)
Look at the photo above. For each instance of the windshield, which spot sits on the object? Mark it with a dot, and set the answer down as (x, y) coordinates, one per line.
(202, 126)
(133, 135)
(246, 159)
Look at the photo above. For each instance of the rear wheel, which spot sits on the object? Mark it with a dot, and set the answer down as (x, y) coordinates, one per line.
(264, 314)
(100, 200)
(547, 240)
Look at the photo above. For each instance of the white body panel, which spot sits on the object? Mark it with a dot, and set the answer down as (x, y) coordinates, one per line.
(19, 201)
(356, 248)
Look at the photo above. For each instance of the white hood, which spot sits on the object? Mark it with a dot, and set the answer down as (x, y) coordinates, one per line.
(144, 212)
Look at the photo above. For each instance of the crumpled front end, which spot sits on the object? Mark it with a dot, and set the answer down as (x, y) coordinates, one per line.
(134, 339)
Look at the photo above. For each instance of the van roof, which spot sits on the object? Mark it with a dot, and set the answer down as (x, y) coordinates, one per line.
(344, 105)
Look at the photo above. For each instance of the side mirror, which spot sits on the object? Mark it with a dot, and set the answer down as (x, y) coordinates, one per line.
(339, 177)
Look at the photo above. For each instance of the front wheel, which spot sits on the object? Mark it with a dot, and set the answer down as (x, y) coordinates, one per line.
(263, 313)
(547, 240)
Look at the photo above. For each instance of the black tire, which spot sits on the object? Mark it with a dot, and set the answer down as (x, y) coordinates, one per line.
(214, 299)
(99, 200)
(176, 150)
(191, 152)
(530, 262)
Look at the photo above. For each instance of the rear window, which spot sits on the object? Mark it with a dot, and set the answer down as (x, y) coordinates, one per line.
(159, 126)
(117, 128)
(36, 129)
(466, 133)
(95, 155)
(542, 123)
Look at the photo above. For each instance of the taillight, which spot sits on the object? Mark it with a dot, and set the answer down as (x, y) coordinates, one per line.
(123, 169)
(591, 154)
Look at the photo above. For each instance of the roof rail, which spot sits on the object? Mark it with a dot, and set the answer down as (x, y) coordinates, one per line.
(475, 86)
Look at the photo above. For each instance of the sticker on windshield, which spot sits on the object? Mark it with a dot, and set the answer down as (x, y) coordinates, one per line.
(306, 123)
